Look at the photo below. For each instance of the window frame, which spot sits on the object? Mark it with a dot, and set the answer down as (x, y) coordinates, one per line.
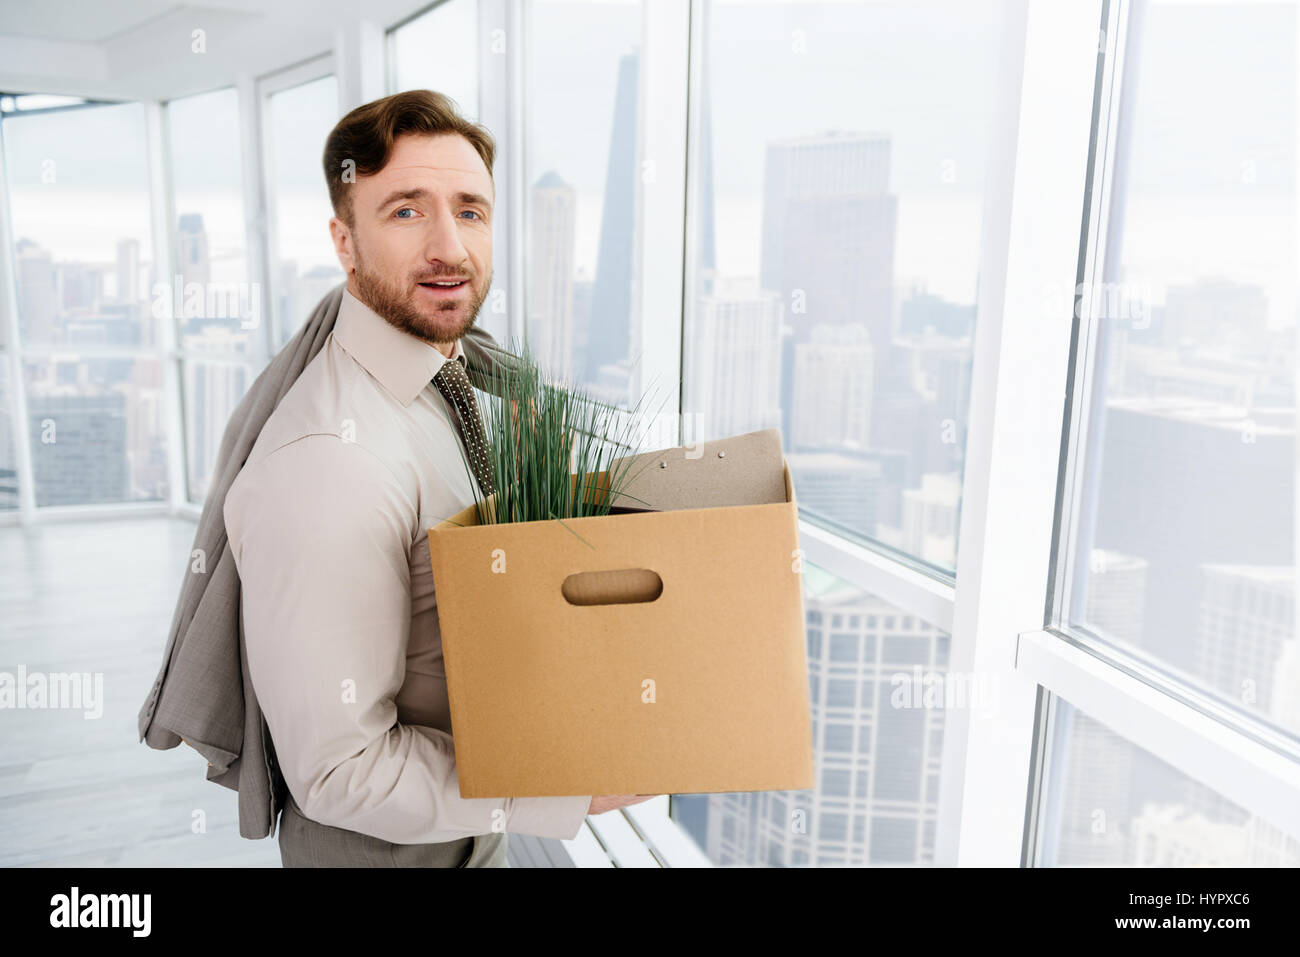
(16, 352)
(1235, 753)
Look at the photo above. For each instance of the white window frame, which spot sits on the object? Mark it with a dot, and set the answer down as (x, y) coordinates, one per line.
(1237, 755)
(15, 351)
(267, 86)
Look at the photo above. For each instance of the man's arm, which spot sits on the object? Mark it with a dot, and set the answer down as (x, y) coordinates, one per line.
(321, 532)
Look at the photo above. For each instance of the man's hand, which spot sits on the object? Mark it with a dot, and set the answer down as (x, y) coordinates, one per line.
(600, 803)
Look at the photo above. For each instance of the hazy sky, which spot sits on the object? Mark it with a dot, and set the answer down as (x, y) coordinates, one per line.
(1215, 119)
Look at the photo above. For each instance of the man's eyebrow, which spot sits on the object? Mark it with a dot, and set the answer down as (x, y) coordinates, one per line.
(419, 192)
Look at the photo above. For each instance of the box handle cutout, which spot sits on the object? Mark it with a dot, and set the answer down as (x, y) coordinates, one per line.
(622, 586)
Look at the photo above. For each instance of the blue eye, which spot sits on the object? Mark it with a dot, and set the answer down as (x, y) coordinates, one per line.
(470, 211)
(405, 209)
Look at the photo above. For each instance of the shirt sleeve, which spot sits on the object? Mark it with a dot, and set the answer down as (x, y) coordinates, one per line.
(321, 533)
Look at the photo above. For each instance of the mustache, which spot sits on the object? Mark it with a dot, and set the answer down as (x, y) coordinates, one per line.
(446, 274)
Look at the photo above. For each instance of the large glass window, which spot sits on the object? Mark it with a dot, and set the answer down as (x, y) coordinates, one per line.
(439, 50)
(220, 311)
(210, 256)
(581, 169)
(211, 392)
(1112, 804)
(837, 240)
(81, 226)
(880, 690)
(304, 267)
(8, 461)
(1184, 549)
(97, 430)
(88, 330)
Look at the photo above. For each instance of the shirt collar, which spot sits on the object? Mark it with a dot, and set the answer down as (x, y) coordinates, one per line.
(402, 363)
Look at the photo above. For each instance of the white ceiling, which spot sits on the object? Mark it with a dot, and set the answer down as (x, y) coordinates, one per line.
(77, 21)
(142, 49)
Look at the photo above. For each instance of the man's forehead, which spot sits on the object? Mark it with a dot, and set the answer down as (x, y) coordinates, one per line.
(416, 168)
(440, 154)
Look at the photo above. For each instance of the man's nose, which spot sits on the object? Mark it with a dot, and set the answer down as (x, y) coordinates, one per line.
(443, 241)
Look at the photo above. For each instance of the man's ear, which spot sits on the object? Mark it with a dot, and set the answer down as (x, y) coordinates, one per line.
(341, 236)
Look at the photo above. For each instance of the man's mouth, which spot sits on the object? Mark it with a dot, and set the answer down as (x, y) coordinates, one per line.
(444, 286)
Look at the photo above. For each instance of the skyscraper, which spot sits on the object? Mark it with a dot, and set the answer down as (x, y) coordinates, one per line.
(128, 270)
(832, 389)
(38, 292)
(828, 231)
(610, 333)
(732, 367)
(551, 275)
(877, 758)
(192, 239)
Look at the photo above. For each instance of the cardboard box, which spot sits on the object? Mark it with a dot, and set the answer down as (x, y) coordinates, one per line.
(660, 652)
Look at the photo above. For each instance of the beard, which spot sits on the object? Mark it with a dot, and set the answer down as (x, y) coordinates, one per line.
(395, 301)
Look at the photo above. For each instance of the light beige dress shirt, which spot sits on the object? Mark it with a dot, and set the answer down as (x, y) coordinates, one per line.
(328, 523)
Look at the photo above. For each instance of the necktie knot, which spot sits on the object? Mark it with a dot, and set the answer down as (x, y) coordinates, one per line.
(455, 387)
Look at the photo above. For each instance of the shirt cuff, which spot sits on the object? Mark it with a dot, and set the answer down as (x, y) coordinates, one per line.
(557, 817)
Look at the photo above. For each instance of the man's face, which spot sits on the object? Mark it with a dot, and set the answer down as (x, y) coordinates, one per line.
(419, 252)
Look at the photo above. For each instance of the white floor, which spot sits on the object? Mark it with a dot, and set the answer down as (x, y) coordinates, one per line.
(98, 597)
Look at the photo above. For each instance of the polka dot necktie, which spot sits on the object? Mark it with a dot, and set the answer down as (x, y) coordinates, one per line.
(455, 388)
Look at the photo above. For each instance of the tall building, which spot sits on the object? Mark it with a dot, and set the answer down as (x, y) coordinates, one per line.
(192, 241)
(1116, 597)
(833, 389)
(86, 461)
(930, 518)
(1171, 835)
(81, 288)
(1183, 484)
(128, 270)
(38, 292)
(876, 751)
(1247, 618)
(827, 245)
(732, 363)
(551, 276)
(212, 392)
(842, 488)
(610, 329)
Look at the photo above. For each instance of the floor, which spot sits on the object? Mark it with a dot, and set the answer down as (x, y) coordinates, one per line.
(98, 597)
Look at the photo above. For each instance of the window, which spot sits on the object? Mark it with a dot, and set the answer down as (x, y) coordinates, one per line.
(211, 392)
(439, 50)
(88, 334)
(1183, 550)
(81, 226)
(304, 267)
(8, 462)
(220, 311)
(97, 429)
(837, 240)
(581, 172)
(899, 735)
(1111, 804)
(210, 249)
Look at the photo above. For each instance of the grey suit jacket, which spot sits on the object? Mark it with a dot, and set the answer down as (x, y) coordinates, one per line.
(203, 695)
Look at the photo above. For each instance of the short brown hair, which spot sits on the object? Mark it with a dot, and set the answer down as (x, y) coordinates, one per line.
(365, 137)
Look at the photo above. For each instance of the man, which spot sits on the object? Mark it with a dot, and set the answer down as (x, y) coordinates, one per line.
(328, 519)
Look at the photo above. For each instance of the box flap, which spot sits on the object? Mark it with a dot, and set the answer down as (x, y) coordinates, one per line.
(746, 469)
